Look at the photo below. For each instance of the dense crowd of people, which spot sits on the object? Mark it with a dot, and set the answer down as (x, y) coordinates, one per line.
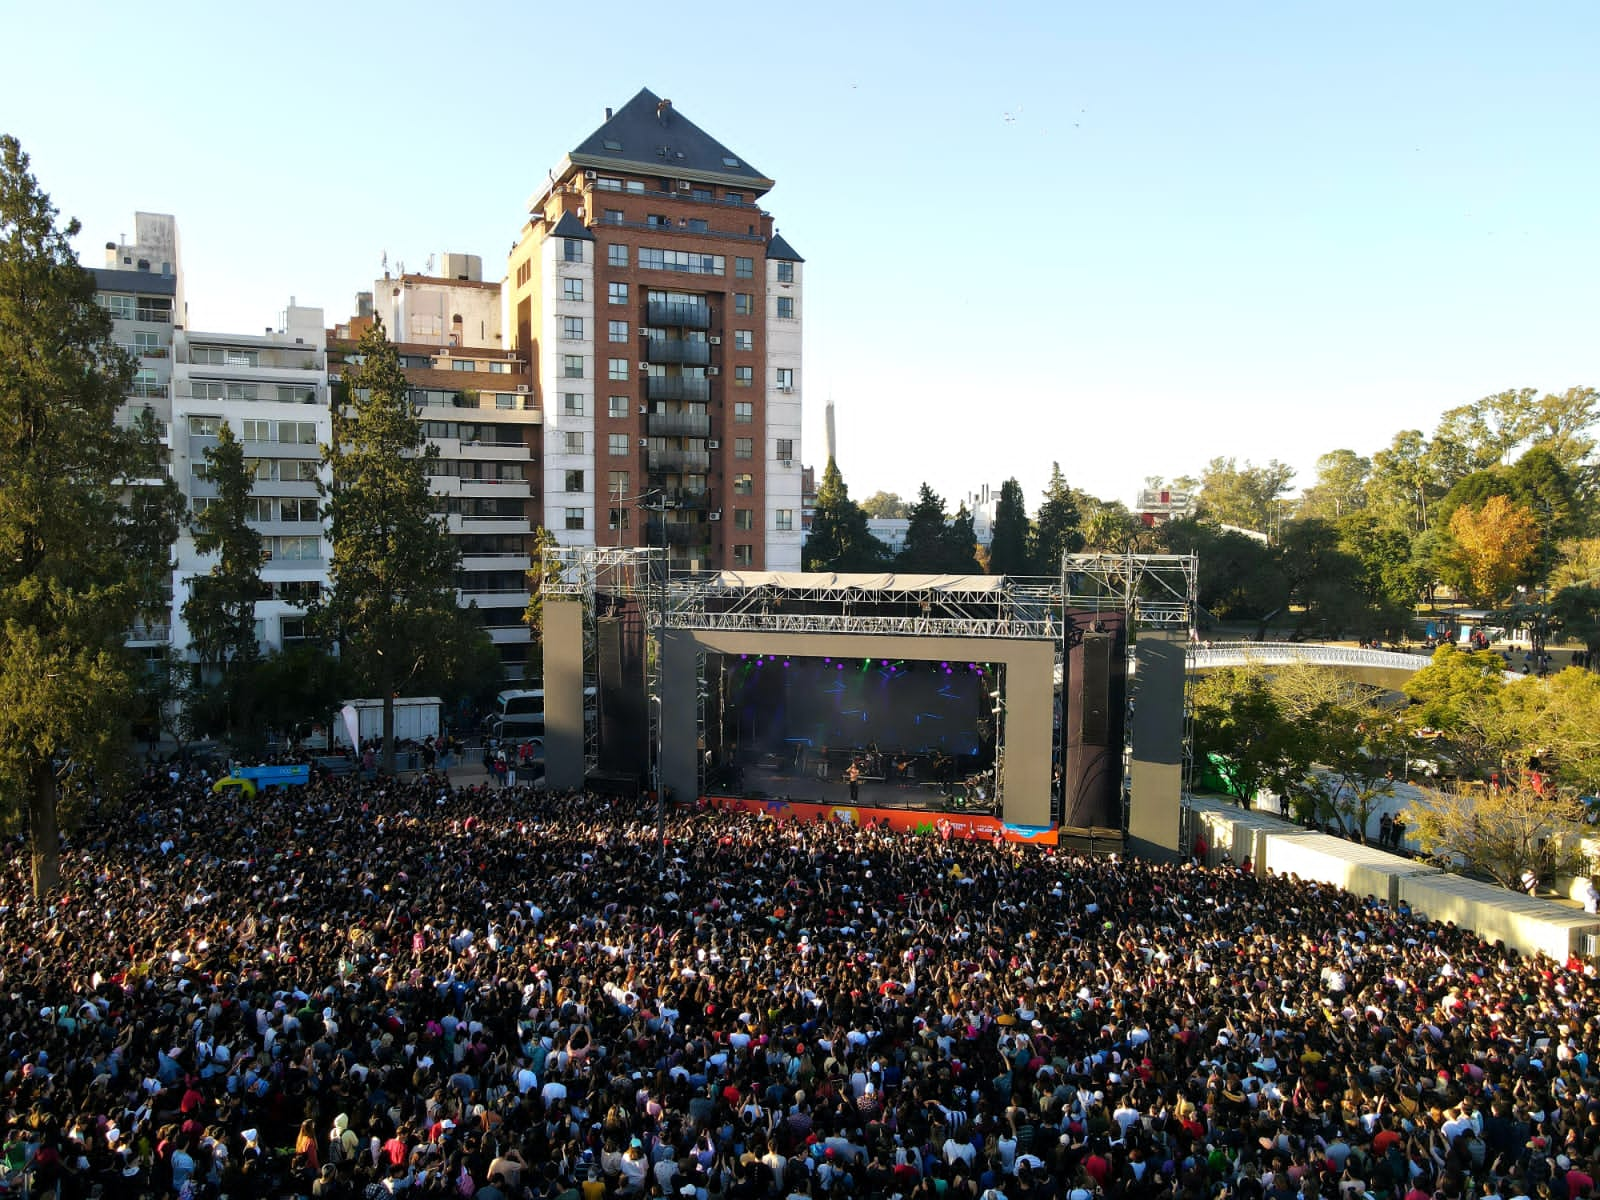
(374, 988)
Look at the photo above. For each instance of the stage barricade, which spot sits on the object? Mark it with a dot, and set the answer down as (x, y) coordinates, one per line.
(1524, 923)
(902, 820)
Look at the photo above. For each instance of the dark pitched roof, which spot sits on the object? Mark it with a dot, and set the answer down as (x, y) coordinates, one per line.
(570, 227)
(778, 248)
(651, 135)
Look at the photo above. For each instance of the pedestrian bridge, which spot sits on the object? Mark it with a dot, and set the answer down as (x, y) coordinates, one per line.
(1384, 667)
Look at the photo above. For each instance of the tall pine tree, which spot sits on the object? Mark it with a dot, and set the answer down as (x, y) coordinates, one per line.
(394, 560)
(1057, 530)
(79, 546)
(1008, 543)
(839, 538)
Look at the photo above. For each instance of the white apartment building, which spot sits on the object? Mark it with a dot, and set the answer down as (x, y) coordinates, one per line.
(272, 390)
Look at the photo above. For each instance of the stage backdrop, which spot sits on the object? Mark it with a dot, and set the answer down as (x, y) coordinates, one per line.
(1027, 696)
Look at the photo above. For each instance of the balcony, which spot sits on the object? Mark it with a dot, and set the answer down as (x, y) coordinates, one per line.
(685, 500)
(695, 425)
(678, 461)
(139, 351)
(675, 387)
(676, 533)
(683, 316)
(159, 316)
(144, 632)
(148, 391)
(670, 350)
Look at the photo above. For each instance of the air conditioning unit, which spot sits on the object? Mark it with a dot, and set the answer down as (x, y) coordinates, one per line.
(522, 389)
(787, 389)
(713, 444)
(643, 442)
(713, 370)
(714, 515)
(685, 186)
(714, 340)
(588, 174)
(644, 366)
(644, 410)
(786, 462)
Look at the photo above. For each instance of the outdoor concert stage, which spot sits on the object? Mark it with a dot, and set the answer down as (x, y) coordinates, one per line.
(879, 732)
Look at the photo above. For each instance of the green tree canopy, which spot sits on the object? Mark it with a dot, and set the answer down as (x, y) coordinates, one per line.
(839, 539)
(885, 504)
(1248, 496)
(394, 561)
(79, 546)
(1341, 487)
(1057, 532)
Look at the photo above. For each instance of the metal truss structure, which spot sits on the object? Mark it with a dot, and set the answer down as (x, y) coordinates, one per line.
(1008, 608)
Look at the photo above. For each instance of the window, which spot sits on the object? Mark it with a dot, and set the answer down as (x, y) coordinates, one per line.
(297, 433)
(199, 472)
(743, 412)
(572, 249)
(572, 367)
(743, 304)
(204, 426)
(301, 511)
(572, 289)
(786, 308)
(785, 378)
(301, 471)
(617, 293)
(147, 345)
(743, 485)
(292, 629)
(463, 364)
(616, 256)
(618, 519)
(744, 518)
(573, 481)
(744, 268)
(617, 445)
(574, 518)
(743, 376)
(786, 272)
(572, 328)
(617, 484)
(613, 216)
(658, 221)
(617, 369)
(572, 443)
(294, 394)
(257, 431)
(786, 451)
(616, 407)
(681, 260)
(500, 368)
(698, 225)
(743, 555)
(616, 331)
(744, 339)
(744, 447)
(735, 197)
(784, 519)
(259, 508)
(607, 183)
(294, 549)
(120, 307)
(199, 505)
(259, 469)
(572, 403)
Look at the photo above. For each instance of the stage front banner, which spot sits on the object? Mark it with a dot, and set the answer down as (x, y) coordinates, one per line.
(923, 824)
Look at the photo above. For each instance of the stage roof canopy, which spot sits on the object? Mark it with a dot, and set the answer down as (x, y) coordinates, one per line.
(828, 581)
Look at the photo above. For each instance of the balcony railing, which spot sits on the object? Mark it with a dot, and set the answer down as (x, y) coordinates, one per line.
(695, 425)
(674, 387)
(685, 500)
(148, 391)
(669, 350)
(697, 461)
(676, 533)
(160, 316)
(139, 351)
(684, 316)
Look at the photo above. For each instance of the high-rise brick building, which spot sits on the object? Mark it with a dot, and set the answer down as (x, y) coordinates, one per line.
(661, 315)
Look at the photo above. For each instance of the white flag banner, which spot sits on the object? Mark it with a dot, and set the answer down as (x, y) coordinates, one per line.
(352, 725)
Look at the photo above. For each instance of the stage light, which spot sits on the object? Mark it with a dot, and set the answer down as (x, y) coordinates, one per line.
(786, 664)
(883, 662)
(945, 665)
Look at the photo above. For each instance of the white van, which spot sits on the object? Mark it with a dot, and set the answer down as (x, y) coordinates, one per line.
(519, 712)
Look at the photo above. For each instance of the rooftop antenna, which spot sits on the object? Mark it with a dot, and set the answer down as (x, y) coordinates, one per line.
(430, 264)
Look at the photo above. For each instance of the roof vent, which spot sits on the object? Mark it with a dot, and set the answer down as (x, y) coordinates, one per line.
(608, 112)
(662, 108)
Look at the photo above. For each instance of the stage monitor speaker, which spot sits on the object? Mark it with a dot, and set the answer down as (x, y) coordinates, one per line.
(1095, 721)
(608, 635)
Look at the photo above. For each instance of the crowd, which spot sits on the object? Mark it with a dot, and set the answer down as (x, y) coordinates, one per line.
(376, 988)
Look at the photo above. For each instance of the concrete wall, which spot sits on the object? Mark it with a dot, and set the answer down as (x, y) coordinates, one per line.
(1156, 770)
(1524, 923)
(563, 692)
(782, 419)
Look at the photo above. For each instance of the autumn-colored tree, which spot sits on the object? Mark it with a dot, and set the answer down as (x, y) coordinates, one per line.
(1526, 829)
(1492, 543)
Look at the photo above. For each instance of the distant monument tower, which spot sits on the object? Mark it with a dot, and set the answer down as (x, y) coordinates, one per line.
(832, 443)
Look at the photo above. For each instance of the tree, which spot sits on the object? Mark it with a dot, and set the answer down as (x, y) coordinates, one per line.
(1492, 546)
(543, 574)
(885, 505)
(1239, 577)
(1402, 488)
(839, 539)
(1008, 542)
(1341, 487)
(1246, 496)
(934, 544)
(1239, 720)
(1056, 531)
(1518, 831)
(1459, 693)
(221, 608)
(394, 561)
(79, 547)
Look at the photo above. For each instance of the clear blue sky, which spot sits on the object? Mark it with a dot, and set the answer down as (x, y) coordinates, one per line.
(1125, 237)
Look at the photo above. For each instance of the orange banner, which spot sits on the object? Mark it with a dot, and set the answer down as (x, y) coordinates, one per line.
(919, 824)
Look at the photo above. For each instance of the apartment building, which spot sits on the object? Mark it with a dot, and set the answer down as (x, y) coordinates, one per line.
(141, 287)
(272, 389)
(661, 316)
(477, 406)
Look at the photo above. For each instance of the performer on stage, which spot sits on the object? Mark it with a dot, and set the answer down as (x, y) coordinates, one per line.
(853, 777)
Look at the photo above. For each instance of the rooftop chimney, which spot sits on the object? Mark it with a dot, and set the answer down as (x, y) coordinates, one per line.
(608, 112)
